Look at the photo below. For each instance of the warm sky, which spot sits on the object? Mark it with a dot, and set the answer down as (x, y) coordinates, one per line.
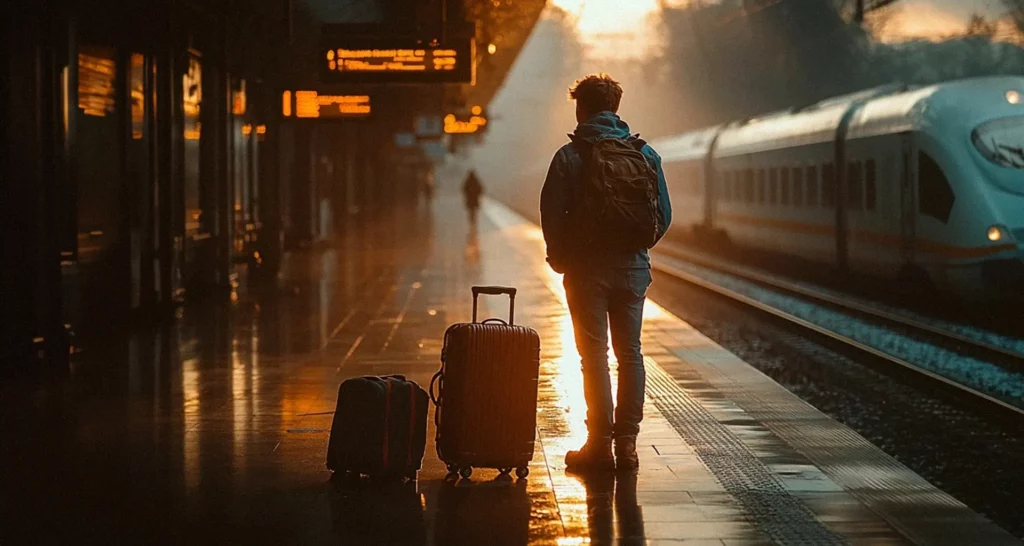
(937, 18)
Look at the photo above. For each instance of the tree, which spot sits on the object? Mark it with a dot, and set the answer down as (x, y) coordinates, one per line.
(977, 25)
(1016, 12)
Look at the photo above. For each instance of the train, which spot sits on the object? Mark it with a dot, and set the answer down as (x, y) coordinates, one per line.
(920, 184)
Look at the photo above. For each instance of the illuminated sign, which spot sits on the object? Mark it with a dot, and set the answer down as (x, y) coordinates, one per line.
(455, 126)
(313, 105)
(97, 71)
(238, 99)
(399, 60)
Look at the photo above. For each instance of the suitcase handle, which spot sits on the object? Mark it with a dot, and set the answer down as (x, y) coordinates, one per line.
(496, 291)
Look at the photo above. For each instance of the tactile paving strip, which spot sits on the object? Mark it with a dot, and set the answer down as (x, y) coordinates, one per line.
(781, 516)
(921, 512)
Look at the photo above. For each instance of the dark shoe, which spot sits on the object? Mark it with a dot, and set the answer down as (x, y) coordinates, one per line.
(625, 453)
(596, 454)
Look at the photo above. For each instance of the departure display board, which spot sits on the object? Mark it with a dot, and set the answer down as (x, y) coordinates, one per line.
(313, 105)
(383, 60)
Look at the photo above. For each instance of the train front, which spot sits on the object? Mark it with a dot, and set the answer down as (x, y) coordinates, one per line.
(997, 149)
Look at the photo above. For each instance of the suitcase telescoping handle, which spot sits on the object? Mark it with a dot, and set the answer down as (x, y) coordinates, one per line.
(497, 291)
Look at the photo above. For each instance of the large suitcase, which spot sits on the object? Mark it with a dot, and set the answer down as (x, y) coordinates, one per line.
(379, 428)
(486, 393)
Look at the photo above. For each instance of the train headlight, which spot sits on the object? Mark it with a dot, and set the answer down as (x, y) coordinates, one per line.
(998, 233)
(1013, 97)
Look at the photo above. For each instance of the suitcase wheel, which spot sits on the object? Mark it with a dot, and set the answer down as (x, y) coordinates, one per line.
(466, 472)
(522, 472)
(505, 471)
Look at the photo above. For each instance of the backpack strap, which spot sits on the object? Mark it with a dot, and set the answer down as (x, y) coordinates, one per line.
(584, 149)
(582, 146)
(637, 142)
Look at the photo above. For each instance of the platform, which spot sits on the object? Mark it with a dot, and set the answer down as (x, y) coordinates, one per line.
(215, 428)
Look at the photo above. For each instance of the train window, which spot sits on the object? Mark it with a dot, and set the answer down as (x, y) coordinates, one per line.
(773, 185)
(784, 186)
(854, 186)
(828, 185)
(869, 185)
(748, 185)
(812, 186)
(798, 187)
(1001, 142)
(761, 182)
(935, 196)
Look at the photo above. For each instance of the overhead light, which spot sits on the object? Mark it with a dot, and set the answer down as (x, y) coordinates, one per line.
(492, 49)
(1013, 97)
(477, 110)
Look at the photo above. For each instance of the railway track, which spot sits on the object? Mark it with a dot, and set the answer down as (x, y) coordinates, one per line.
(702, 272)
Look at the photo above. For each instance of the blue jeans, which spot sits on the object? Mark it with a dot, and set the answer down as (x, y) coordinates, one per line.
(600, 299)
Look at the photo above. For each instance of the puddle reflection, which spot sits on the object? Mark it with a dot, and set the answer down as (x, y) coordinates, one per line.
(365, 512)
(473, 245)
(473, 513)
(613, 513)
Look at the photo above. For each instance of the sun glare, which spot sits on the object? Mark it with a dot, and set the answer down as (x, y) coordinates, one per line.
(613, 29)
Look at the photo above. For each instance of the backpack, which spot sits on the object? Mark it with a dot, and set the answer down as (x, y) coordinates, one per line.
(617, 205)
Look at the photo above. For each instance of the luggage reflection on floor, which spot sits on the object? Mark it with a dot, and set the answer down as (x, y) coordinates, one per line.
(493, 512)
(367, 511)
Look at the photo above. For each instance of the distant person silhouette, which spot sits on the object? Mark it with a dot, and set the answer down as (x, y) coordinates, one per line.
(471, 192)
(603, 205)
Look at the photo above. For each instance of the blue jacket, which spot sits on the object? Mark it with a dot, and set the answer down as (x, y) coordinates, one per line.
(560, 189)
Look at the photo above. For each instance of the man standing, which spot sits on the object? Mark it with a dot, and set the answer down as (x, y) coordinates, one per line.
(472, 189)
(604, 204)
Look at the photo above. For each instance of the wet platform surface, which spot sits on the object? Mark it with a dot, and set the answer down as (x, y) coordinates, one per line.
(215, 428)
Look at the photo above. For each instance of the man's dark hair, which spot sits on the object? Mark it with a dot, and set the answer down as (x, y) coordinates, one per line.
(597, 93)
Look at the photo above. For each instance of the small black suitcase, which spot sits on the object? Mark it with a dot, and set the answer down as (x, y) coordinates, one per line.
(380, 427)
(486, 393)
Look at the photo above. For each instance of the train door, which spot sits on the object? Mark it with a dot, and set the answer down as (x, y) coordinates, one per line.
(712, 178)
(908, 199)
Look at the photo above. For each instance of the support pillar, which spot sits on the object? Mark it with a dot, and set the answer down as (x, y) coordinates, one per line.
(301, 189)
